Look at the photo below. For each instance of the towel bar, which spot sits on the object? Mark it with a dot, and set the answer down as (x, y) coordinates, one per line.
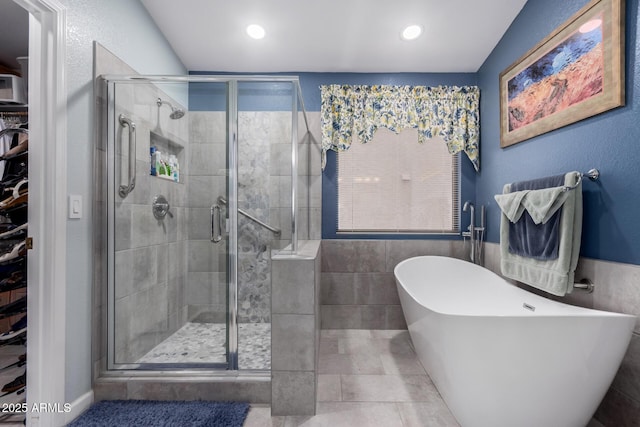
(593, 175)
(584, 285)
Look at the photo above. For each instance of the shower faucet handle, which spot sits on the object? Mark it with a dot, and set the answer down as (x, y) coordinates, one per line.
(160, 207)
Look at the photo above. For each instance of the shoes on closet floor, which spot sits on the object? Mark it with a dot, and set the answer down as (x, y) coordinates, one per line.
(6, 226)
(16, 384)
(18, 214)
(13, 308)
(10, 267)
(16, 280)
(16, 329)
(18, 250)
(11, 231)
(14, 187)
(15, 171)
(13, 201)
(15, 174)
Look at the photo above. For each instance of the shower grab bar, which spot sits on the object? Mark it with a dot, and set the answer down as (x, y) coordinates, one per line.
(274, 230)
(126, 189)
(215, 238)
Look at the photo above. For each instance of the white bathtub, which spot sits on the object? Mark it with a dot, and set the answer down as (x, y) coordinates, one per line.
(503, 357)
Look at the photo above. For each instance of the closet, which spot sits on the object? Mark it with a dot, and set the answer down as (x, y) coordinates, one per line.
(14, 193)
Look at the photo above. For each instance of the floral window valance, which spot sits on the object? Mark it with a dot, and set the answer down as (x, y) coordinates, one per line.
(450, 112)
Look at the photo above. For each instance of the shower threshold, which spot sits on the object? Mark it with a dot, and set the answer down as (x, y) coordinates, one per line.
(205, 343)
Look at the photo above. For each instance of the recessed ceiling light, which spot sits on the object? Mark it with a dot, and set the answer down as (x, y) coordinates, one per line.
(255, 31)
(411, 32)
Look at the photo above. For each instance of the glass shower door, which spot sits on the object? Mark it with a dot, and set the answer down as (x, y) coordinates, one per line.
(264, 126)
(188, 268)
(168, 280)
(210, 232)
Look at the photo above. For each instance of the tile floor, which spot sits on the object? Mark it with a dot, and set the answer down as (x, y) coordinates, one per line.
(367, 378)
(205, 343)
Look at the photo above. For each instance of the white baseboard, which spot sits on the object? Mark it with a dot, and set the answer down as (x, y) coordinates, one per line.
(78, 406)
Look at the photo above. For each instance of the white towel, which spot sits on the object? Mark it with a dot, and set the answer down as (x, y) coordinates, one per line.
(553, 276)
(541, 204)
(511, 204)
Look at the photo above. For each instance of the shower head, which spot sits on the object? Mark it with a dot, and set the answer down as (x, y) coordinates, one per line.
(176, 113)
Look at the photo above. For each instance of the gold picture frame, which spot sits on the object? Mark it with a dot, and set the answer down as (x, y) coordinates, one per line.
(574, 73)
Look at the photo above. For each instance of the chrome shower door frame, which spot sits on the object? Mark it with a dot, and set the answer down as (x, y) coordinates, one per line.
(232, 217)
(106, 267)
(109, 130)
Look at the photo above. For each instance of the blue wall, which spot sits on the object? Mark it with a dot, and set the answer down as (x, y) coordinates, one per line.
(609, 142)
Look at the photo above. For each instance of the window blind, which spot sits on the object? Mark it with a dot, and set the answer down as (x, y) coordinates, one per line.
(394, 184)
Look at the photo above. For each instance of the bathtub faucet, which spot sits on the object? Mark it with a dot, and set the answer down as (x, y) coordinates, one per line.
(472, 229)
(475, 234)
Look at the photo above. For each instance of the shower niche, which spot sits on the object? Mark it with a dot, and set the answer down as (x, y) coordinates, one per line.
(192, 289)
(166, 157)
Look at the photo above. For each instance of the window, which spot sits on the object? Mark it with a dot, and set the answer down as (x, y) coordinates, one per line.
(395, 184)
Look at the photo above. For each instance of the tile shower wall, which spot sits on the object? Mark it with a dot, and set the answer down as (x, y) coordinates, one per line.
(295, 330)
(616, 289)
(205, 293)
(264, 190)
(263, 137)
(358, 288)
(150, 261)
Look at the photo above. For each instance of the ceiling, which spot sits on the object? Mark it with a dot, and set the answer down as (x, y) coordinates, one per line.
(333, 35)
(316, 36)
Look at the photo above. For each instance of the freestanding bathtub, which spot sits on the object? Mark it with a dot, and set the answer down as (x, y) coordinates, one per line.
(503, 357)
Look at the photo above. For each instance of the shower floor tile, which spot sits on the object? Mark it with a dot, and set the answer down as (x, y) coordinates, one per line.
(205, 343)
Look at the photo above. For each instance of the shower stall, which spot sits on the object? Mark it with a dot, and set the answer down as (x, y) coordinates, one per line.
(197, 184)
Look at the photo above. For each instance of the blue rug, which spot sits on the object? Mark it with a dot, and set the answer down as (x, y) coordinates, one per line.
(197, 413)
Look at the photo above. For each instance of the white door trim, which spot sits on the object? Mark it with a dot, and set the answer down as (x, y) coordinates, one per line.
(46, 298)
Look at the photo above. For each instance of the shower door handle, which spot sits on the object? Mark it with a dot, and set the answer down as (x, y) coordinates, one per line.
(216, 218)
(128, 188)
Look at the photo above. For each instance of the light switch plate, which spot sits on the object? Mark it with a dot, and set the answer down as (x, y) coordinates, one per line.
(75, 206)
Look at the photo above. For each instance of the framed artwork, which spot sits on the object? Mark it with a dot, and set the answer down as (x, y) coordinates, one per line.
(574, 73)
